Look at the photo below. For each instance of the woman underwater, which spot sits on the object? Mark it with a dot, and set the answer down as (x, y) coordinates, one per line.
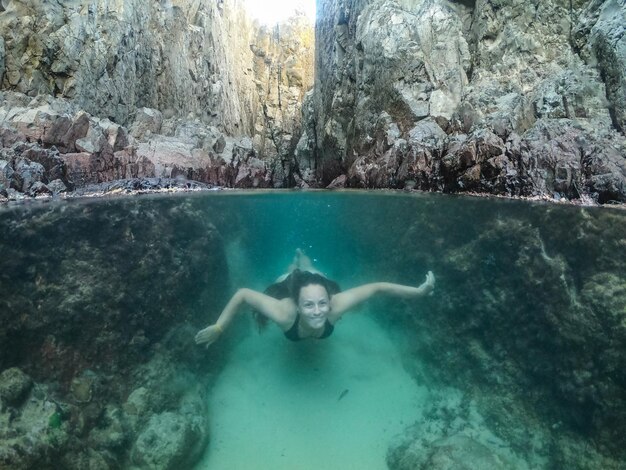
(304, 304)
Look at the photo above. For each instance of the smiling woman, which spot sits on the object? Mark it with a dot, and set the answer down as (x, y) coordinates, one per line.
(275, 11)
(310, 305)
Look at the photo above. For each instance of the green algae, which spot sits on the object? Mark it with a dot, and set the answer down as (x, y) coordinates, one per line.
(55, 421)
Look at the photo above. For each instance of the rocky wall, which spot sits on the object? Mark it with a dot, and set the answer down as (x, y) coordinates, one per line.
(98, 305)
(527, 319)
(508, 98)
(202, 61)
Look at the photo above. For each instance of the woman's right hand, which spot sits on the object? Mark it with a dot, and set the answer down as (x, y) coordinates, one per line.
(209, 335)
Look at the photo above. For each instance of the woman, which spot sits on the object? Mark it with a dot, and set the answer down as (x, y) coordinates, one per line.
(304, 304)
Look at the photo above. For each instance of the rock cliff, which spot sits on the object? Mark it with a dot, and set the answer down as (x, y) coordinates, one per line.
(481, 96)
(510, 98)
(212, 81)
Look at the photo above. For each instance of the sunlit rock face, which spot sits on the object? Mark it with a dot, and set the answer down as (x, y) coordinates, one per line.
(500, 97)
(203, 62)
(283, 71)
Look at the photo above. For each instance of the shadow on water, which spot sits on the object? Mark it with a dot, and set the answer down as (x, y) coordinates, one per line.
(521, 348)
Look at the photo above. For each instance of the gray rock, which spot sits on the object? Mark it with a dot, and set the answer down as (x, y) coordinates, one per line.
(491, 70)
(461, 452)
(166, 442)
(39, 189)
(601, 35)
(14, 195)
(220, 144)
(14, 386)
(427, 132)
(6, 173)
(2, 54)
(57, 186)
(337, 183)
(28, 173)
(147, 121)
(409, 59)
(110, 62)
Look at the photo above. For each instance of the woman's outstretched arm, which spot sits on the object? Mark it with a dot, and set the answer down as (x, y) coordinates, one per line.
(350, 298)
(275, 310)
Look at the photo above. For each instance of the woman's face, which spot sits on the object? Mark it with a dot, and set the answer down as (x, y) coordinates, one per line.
(314, 305)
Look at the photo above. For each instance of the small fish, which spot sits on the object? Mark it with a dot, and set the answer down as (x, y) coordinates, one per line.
(343, 394)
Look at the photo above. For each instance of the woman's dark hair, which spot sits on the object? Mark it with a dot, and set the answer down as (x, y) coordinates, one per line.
(291, 287)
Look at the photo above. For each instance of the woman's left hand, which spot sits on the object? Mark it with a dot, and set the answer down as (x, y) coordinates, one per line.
(429, 284)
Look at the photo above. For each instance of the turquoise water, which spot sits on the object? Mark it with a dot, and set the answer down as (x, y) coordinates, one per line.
(515, 361)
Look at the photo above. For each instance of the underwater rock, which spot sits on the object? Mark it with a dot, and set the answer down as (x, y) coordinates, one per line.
(14, 386)
(99, 270)
(82, 388)
(451, 436)
(120, 351)
(522, 308)
(112, 433)
(169, 441)
(459, 452)
(138, 402)
(605, 293)
(88, 458)
(34, 434)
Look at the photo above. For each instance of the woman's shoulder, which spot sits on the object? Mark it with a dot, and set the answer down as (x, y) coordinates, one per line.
(288, 311)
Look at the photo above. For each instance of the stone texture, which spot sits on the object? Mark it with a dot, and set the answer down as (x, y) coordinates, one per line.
(283, 71)
(32, 432)
(600, 36)
(14, 385)
(193, 60)
(170, 441)
(522, 73)
(147, 121)
(79, 149)
(522, 315)
(68, 287)
(552, 72)
(90, 329)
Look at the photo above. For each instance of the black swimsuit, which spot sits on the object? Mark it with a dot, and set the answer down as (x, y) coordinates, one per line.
(292, 333)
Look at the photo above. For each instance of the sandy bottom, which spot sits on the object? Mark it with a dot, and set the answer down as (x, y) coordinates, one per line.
(329, 404)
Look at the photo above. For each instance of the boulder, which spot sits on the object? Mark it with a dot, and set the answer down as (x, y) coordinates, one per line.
(460, 452)
(167, 442)
(147, 122)
(14, 386)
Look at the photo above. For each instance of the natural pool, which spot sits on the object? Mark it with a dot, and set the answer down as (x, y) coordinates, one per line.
(516, 361)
